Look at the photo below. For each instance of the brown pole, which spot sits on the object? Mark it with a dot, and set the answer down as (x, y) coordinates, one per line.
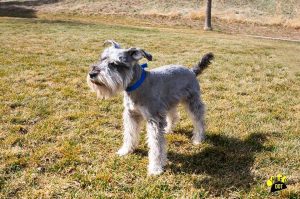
(207, 25)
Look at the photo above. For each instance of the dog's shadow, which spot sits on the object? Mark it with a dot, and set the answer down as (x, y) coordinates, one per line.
(222, 166)
(226, 163)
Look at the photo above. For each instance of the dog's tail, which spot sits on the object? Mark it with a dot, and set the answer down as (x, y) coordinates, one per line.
(203, 64)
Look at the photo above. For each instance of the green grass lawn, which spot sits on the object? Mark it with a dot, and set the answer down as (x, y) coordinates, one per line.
(58, 141)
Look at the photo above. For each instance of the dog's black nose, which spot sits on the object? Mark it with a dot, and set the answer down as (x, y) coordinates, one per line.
(93, 74)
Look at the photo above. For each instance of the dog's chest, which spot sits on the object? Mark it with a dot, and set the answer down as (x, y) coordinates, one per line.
(134, 107)
(131, 105)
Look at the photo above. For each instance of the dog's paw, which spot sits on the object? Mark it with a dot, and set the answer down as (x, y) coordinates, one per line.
(124, 151)
(168, 130)
(198, 140)
(154, 171)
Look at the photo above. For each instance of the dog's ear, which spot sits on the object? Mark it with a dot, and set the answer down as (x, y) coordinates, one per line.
(112, 43)
(138, 54)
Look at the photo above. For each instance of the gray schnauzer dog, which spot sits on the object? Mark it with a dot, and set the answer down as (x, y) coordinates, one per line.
(150, 95)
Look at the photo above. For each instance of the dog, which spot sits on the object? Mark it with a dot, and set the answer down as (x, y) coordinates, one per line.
(149, 95)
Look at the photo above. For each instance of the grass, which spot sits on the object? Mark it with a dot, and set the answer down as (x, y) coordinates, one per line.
(58, 141)
(268, 18)
(282, 12)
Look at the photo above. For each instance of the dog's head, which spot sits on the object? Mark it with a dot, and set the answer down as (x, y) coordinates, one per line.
(115, 69)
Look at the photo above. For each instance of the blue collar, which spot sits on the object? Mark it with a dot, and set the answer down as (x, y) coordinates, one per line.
(140, 81)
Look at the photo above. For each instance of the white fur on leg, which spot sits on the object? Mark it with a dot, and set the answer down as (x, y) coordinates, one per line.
(198, 134)
(124, 150)
(157, 152)
(164, 159)
(131, 133)
(198, 123)
(172, 119)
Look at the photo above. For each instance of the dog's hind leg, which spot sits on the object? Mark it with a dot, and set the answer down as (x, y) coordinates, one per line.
(132, 126)
(196, 110)
(172, 119)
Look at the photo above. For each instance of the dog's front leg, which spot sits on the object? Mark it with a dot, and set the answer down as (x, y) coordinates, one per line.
(157, 147)
(132, 123)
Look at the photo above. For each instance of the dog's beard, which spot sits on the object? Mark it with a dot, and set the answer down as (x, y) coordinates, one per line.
(107, 86)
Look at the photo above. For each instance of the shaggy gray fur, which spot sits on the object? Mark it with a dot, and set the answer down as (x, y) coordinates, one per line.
(154, 101)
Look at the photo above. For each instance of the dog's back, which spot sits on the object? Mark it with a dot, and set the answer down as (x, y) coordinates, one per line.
(174, 78)
(174, 83)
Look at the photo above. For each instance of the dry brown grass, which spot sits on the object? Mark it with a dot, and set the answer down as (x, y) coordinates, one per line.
(271, 12)
(257, 17)
(265, 12)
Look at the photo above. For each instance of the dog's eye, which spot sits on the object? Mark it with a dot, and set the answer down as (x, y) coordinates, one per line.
(123, 59)
(118, 66)
(112, 65)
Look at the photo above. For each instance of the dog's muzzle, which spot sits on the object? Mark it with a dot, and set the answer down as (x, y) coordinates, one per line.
(93, 78)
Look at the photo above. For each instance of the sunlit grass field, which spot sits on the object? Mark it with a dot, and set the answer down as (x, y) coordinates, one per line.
(58, 141)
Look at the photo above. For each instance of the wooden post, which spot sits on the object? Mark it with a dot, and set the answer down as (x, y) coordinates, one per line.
(207, 25)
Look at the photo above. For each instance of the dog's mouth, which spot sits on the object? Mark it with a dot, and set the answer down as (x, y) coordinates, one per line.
(96, 82)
